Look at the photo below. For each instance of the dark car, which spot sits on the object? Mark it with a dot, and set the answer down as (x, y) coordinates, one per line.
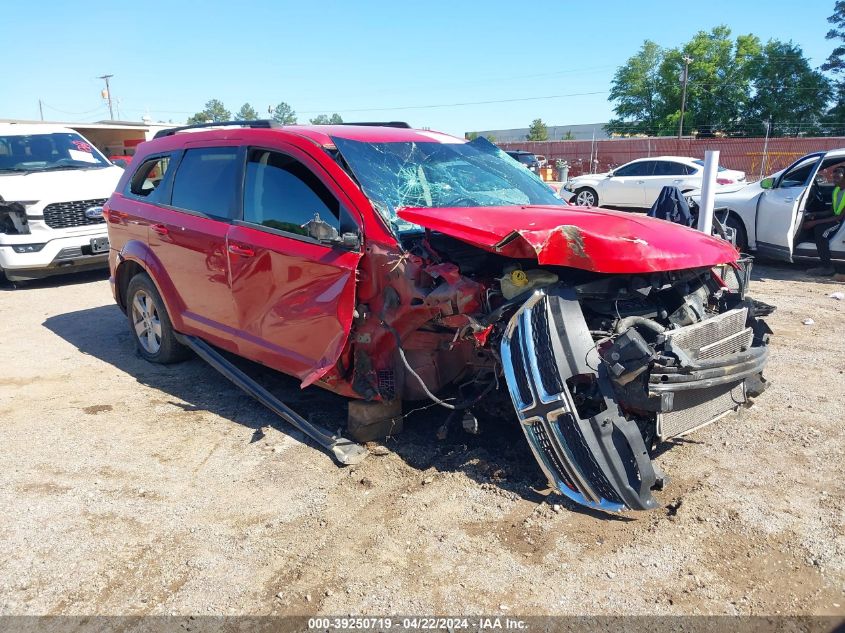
(525, 158)
(391, 265)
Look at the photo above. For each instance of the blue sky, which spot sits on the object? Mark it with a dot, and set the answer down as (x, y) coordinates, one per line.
(364, 59)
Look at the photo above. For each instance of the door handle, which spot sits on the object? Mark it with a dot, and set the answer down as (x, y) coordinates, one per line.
(641, 182)
(787, 199)
(160, 229)
(677, 180)
(243, 251)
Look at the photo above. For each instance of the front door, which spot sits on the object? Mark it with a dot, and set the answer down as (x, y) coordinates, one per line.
(626, 187)
(294, 295)
(781, 209)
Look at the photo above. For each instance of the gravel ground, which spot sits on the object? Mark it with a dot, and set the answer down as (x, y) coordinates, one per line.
(130, 488)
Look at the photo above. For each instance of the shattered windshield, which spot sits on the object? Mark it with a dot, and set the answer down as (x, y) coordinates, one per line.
(434, 174)
(46, 152)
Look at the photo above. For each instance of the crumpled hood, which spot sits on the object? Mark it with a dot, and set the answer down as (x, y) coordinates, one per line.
(597, 240)
(64, 185)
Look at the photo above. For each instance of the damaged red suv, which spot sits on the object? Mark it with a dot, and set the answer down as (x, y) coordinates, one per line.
(390, 265)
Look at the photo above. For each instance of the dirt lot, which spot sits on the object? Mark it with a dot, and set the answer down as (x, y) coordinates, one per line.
(132, 488)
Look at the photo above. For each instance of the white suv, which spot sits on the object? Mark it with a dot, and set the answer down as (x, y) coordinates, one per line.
(53, 184)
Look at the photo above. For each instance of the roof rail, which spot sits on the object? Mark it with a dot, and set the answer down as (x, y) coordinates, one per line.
(400, 124)
(258, 123)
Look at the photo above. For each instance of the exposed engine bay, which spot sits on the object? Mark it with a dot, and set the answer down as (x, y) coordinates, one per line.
(599, 368)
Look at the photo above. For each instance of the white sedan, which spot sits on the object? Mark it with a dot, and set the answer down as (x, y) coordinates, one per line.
(637, 184)
(768, 216)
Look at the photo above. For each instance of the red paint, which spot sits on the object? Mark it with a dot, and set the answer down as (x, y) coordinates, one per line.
(319, 312)
(590, 239)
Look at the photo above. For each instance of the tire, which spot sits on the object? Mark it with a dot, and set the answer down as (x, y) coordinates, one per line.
(150, 324)
(739, 227)
(586, 197)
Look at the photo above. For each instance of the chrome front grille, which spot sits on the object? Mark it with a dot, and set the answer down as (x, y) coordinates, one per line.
(546, 409)
(62, 215)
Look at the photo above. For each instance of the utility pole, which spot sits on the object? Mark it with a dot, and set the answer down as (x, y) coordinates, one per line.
(108, 94)
(685, 79)
(40, 109)
(768, 124)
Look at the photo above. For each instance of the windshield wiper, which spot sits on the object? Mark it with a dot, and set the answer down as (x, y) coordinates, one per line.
(57, 167)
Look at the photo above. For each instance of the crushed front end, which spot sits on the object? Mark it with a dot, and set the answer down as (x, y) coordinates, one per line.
(603, 371)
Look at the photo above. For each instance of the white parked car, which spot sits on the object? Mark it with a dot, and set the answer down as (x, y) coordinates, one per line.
(53, 184)
(768, 215)
(637, 184)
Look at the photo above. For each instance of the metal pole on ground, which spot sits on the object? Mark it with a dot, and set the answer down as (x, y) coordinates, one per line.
(708, 191)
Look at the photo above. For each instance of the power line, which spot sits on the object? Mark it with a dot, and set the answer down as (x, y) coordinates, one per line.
(99, 107)
(454, 105)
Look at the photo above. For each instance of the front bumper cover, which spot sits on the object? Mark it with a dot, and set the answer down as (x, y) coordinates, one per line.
(596, 456)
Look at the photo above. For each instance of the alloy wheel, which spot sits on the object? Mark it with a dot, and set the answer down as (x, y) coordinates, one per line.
(146, 321)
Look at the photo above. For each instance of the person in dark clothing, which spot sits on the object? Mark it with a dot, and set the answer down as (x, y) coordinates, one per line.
(825, 225)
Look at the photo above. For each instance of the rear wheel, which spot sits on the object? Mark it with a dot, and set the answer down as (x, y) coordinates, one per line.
(586, 197)
(150, 324)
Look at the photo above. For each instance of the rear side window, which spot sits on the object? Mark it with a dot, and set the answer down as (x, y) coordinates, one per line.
(283, 194)
(206, 181)
(643, 168)
(669, 168)
(149, 176)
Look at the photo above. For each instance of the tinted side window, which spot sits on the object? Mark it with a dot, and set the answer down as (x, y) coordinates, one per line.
(146, 180)
(643, 168)
(281, 193)
(668, 168)
(206, 181)
(800, 174)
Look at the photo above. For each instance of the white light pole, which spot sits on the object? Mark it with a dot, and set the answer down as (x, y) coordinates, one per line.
(708, 192)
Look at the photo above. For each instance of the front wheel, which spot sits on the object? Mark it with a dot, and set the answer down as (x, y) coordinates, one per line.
(586, 197)
(739, 228)
(150, 324)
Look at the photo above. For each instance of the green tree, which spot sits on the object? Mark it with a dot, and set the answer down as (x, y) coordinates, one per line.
(284, 114)
(787, 91)
(246, 113)
(647, 90)
(471, 136)
(719, 85)
(569, 136)
(537, 131)
(213, 111)
(835, 64)
(323, 119)
(836, 61)
(636, 89)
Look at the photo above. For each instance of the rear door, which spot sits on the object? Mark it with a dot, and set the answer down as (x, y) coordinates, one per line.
(293, 294)
(188, 237)
(626, 187)
(667, 173)
(781, 209)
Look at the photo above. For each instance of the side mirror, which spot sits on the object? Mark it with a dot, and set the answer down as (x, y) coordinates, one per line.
(325, 233)
(767, 183)
(350, 241)
(610, 174)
